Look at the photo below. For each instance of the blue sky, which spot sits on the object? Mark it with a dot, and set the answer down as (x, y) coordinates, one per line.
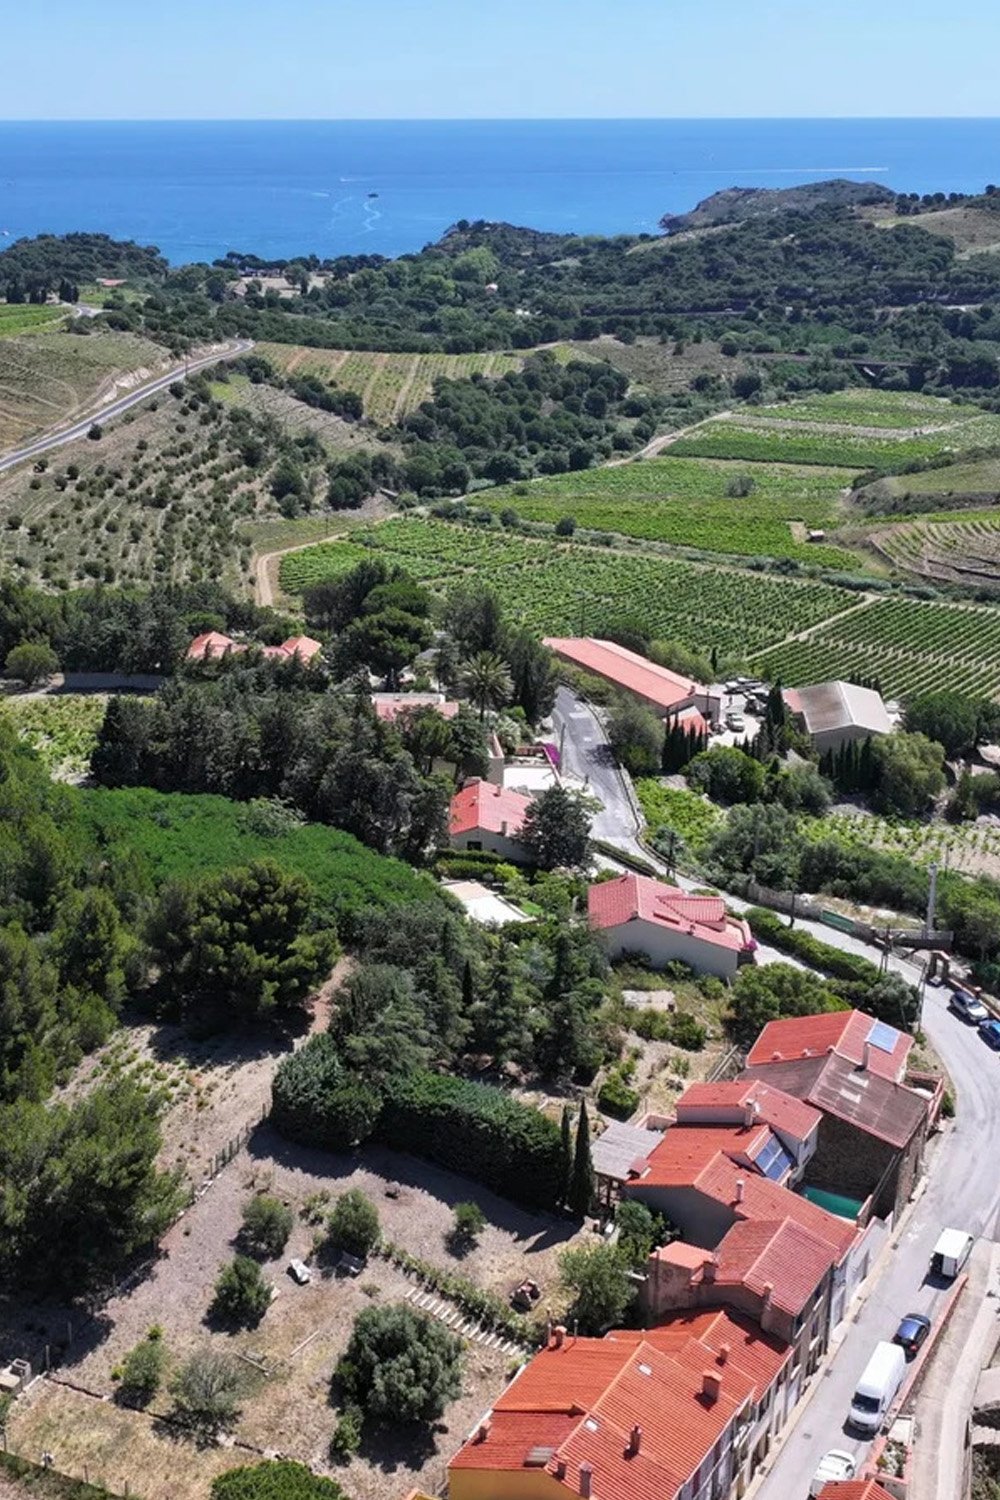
(399, 59)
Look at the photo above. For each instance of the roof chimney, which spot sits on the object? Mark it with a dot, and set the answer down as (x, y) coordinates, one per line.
(559, 1335)
(723, 1353)
(634, 1441)
(586, 1479)
(711, 1385)
(708, 1268)
(740, 1184)
(560, 1468)
(866, 1057)
(503, 828)
(768, 1293)
(751, 1113)
(482, 1431)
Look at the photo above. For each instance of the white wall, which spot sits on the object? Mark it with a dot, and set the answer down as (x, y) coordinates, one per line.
(493, 843)
(664, 945)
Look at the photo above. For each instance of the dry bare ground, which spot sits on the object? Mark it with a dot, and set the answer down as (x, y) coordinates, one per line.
(300, 1338)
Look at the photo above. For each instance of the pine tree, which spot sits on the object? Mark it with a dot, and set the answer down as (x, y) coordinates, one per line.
(567, 1150)
(581, 1184)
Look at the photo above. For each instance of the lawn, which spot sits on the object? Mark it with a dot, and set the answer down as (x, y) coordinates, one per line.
(174, 836)
(571, 589)
(688, 502)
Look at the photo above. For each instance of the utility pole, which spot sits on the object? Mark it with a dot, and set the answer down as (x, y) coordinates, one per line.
(931, 901)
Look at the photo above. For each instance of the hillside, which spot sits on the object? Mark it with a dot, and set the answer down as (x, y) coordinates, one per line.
(736, 204)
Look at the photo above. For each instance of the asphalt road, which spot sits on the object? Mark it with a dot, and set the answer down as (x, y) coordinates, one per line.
(963, 1187)
(60, 435)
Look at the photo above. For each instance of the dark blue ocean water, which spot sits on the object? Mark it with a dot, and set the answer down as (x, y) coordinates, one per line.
(279, 188)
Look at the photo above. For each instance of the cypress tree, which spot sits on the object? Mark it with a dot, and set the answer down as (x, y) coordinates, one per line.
(567, 1151)
(581, 1185)
(468, 988)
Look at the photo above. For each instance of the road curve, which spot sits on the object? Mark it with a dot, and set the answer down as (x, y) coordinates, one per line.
(59, 435)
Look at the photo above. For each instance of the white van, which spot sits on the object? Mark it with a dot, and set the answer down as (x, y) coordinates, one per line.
(876, 1390)
(951, 1252)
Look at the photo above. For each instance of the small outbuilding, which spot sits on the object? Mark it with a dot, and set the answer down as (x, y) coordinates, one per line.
(837, 713)
(489, 818)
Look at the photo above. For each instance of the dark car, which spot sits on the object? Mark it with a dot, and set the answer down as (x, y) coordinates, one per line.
(990, 1033)
(912, 1332)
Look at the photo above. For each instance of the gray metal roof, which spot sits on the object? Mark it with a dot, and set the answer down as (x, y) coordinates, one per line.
(830, 706)
(614, 1152)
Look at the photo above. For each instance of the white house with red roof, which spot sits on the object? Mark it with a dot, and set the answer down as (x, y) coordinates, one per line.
(637, 914)
(489, 818)
(664, 691)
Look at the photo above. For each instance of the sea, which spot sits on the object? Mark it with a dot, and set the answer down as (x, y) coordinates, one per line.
(278, 189)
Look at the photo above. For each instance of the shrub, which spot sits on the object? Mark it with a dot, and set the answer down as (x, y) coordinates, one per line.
(687, 1032)
(616, 1098)
(400, 1366)
(207, 1390)
(142, 1371)
(274, 1479)
(316, 1101)
(469, 1223)
(267, 1223)
(241, 1293)
(353, 1224)
(598, 1275)
(346, 1439)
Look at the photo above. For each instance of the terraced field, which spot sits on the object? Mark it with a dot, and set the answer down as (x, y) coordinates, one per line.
(389, 384)
(907, 644)
(865, 408)
(22, 317)
(686, 502)
(573, 589)
(788, 440)
(336, 435)
(45, 378)
(953, 547)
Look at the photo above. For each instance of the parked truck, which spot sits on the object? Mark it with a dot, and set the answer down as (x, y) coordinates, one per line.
(877, 1388)
(951, 1252)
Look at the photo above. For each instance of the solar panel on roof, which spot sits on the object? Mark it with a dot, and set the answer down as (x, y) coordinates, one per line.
(773, 1160)
(883, 1037)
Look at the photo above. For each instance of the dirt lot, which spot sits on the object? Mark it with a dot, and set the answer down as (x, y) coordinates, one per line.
(300, 1338)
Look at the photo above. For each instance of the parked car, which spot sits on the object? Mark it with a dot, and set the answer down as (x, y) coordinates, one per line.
(299, 1271)
(911, 1332)
(836, 1466)
(968, 1007)
(990, 1033)
(735, 721)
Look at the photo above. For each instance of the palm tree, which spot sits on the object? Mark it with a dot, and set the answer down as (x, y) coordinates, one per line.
(487, 681)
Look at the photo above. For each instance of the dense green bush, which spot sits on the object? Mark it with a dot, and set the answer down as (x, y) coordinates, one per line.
(267, 1223)
(400, 1365)
(315, 1100)
(479, 1131)
(353, 1224)
(616, 1098)
(143, 1369)
(241, 1293)
(275, 1479)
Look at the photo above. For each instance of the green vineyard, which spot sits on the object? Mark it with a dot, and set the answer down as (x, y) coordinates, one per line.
(909, 645)
(572, 589)
(390, 384)
(686, 502)
(863, 408)
(783, 444)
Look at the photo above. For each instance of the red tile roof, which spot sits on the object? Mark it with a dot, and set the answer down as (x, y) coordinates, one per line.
(211, 644)
(843, 1032)
(728, 1336)
(640, 898)
(668, 690)
(783, 1112)
(785, 1257)
(601, 1389)
(855, 1489)
(302, 646)
(481, 806)
(763, 1199)
(389, 706)
(865, 1099)
(685, 1151)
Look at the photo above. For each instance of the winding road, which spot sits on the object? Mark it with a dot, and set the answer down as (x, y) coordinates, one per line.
(962, 1190)
(56, 436)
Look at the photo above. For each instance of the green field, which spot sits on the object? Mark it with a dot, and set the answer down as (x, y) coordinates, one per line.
(174, 836)
(22, 317)
(783, 444)
(669, 809)
(389, 384)
(62, 729)
(864, 408)
(909, 645)
(978, 477)
(573, 589)
(683, 501)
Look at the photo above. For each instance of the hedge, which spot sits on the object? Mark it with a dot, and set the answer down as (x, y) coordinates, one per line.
(479, 1131)
(769, 928)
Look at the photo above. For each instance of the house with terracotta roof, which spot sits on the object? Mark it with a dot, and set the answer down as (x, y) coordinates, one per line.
(658, 688)
(637, 914)
(488, 817)
(213, 645)
(389, 706)
(856, 1489)
(751, 1101)
(651, 1415)
(873, 1127)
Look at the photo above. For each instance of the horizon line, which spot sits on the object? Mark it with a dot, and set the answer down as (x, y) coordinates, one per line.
(477, 119)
